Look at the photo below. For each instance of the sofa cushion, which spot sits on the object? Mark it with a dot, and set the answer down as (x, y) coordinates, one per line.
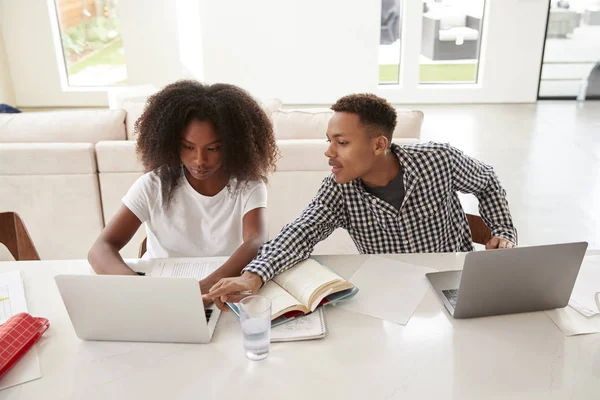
(311, 123)
(118, 156)
(76, 126)
(62, 212)
(309, 154)
(134, 109)
(289, 193)
(47, 158)
(113, 186)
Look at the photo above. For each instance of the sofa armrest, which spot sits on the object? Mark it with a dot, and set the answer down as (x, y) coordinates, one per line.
(47, 159)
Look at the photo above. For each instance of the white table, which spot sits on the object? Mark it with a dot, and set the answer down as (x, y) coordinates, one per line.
(523, 356)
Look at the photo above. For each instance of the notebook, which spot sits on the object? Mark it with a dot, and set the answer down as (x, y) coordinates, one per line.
(301, 289)
(307, 327)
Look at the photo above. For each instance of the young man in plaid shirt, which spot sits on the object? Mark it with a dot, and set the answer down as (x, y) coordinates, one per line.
(390, 199)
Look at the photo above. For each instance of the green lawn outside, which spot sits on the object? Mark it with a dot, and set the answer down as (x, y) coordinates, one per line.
(110, 55)
(432, 73)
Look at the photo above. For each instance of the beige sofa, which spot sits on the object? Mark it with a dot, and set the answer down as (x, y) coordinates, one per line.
(66, 172)
(49, 175)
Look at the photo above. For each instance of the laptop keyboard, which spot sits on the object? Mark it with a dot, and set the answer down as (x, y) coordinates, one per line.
(451, 295)
(208, 312)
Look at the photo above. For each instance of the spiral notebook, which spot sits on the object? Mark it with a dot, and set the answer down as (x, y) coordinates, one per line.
(307, 327)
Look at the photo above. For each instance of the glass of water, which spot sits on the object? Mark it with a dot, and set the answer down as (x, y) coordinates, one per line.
(255, 317)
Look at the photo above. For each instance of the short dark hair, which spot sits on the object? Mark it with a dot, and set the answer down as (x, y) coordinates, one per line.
(373, 111)
(249, 148)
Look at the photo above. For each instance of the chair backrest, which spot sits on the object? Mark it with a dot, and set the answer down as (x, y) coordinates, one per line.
(14, 235)
(142, 249)
(480, 233)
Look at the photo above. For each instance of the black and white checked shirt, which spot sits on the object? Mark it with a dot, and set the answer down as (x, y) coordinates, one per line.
(430, 220)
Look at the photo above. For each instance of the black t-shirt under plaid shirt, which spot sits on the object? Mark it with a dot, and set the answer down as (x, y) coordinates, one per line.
(430, 219)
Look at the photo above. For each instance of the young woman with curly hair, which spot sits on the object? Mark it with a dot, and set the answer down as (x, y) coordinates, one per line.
(207, 150)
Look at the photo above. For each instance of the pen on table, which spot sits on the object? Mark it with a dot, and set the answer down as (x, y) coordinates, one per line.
(241, 293)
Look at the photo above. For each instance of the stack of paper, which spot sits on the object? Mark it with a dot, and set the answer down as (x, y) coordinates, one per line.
(586, 293)
(389, 290)
(582, 316)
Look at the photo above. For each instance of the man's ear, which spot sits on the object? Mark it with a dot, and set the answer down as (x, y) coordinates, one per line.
(381, 145)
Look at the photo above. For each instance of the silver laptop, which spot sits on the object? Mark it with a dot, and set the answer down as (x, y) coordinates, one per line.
(508, 281)
(137, 309)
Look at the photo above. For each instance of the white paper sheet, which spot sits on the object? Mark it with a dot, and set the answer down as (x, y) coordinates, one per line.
(12, 301)
(12, 295)
(572, 322)
(389, 290)
(310, 326)
(587, 287)
(198, 268)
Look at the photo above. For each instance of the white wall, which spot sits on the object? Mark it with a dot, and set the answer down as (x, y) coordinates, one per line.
(26, 26)
(7, 93)
(158, 37)
(311, 51)
(302, 51)
(158, 40)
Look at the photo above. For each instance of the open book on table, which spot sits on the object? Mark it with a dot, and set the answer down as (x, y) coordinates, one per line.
(301, 289)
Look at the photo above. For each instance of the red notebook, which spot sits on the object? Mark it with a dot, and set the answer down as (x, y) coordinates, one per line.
(17, 336)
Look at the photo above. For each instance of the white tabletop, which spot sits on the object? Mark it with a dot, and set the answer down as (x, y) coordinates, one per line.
(522, 356)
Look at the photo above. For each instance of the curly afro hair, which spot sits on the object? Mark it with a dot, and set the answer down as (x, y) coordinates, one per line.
(374, 112)
(249, 148)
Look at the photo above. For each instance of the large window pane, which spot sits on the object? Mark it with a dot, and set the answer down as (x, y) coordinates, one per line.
(389, 41)
(91, 42)
(450, 41)
(572, 50)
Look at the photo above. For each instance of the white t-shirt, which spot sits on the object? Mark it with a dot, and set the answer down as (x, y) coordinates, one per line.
(193, 225)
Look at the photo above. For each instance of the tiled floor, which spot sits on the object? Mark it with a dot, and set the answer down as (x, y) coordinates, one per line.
(547, 156)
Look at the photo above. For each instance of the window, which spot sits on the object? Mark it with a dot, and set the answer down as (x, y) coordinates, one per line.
(450, 41)
(389, 41)
(571, 64)
(91, 42)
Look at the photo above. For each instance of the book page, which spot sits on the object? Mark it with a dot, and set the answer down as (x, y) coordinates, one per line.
(310, 326)
(306, 278)
(198, 268)
(281, 301)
